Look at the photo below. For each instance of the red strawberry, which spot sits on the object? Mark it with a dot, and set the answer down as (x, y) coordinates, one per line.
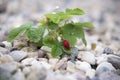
(66, 44)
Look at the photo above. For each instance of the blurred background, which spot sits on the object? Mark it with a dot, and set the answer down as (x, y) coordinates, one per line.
(104, 14)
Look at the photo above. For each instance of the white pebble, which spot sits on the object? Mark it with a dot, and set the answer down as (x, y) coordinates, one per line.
(27, 61)
(102, 58)
(53, 61)
(88, 57)
(45, 48)
(83, 66)
(7, 44)
(26, 70)
(71, 67)
(6, 59)
(90, 73)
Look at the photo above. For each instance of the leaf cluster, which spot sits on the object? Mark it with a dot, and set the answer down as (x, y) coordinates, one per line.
(52, 23)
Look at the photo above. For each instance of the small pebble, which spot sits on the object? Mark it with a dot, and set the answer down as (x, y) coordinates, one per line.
(114, 60)
(83, 66)
(61, 64)
(109, 75)
(40, 54)
(2, 45)
(45, 48)
(18, 55)
(4, 50)
(74, 54)
(87, 56)
(104, 67)
(6, 59)
(7, 44)
(71, 67)
(101, 58)
(90, 73)
(107, 50)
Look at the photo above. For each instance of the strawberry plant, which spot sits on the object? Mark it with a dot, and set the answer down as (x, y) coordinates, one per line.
(62, 31)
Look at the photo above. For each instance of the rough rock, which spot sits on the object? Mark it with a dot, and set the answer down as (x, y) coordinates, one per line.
(18, 76)
(18, 55)
(83, 66)
(107, 50)
(114, 60)
(71, 67)
(101, 58)
(90, 73)
(109, 75)
(6, 59)
(7, 70)
(104, 67)
(87, 56)
(4, 50)
(7, 44)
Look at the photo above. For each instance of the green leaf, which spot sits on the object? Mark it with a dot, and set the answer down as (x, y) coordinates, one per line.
(56, 51)
(84, 41)
(71, 30)
(35, 34)
(66, 50)
(84, 24)
(57, 17)
(72, 39)
(50, 41)
(17, 31)
(75, 11)
(52, 26)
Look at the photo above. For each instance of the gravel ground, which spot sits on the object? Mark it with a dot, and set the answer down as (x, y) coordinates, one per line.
(27, 63)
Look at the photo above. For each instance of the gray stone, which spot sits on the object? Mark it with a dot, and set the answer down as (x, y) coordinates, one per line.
(18, 76)
(114, 60)
(2, 34)
(107, 50)
(90, 73)
(74, 54)
(37, 73)
(18, 55)
(104, 67)
(1, 54)
(109, 75)
(101, 58)
(26, 71)
(42, 74)
(40, 53)
(3, 5)
(2, 45)
(13, 7)
(7, 70)
(10, 67)
(4, 75)
(4, 50)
